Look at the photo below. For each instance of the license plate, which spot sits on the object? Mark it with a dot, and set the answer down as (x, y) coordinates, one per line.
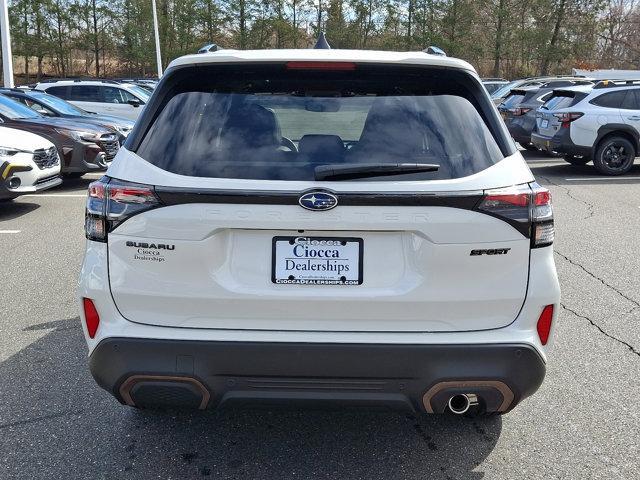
(544, 123)
(316, 260)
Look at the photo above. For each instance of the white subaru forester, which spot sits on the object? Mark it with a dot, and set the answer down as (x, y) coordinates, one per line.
(319, 226)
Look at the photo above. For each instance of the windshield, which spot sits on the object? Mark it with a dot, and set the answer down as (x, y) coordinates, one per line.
(140, 92)
(14, 110)
(492, 87)
(57, 104)
(504, 90)
(282, 125)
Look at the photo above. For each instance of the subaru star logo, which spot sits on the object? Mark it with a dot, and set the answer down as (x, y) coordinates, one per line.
(318, 201)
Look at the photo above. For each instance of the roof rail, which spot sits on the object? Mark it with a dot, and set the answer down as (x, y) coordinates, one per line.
(616, 83)
(78, 79)
(13, 89)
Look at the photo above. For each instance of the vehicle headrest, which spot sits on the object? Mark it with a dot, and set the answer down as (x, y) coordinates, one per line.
(315, 145)
(251, 126)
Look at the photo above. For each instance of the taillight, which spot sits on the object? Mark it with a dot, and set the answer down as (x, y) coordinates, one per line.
(544, 324)
(518, 112)
(526, 207)
(91, 317)
(542, 228)
(567, 118)
(110, 202)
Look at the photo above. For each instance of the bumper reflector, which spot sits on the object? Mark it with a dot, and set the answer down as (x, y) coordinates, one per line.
(544, 324)
(91, 317)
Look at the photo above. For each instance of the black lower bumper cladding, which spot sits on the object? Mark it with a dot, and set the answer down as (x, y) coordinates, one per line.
(561, 143)
(199, 374)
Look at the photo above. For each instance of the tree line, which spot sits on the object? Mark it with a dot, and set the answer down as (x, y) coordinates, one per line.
(507, 38)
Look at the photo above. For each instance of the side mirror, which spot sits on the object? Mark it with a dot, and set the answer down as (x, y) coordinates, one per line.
(134, 103)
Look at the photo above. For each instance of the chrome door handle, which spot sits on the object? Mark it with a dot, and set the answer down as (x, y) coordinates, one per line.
(634, 117)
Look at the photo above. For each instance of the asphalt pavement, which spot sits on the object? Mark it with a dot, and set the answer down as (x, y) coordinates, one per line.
(583, 423)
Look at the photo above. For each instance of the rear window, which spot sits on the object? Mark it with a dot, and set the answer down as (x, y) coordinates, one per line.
(273, 123)
(512, 100)
(563, 100)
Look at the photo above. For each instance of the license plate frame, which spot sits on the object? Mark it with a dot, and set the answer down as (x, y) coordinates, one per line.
(544, 123)
(318, 280)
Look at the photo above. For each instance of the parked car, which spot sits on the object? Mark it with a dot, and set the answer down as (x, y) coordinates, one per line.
(320, 225)
(52, 106)
(519, 109)
(82, 147)
(499, 95)
(29, 163)
(600, 124)
(107, 97)
(492, 84)
(148, 84)
(209, 47)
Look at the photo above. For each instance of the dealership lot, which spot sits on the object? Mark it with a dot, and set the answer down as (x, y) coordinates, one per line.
(583, 423)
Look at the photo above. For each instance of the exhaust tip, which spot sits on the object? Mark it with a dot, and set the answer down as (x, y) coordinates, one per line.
(461, 403)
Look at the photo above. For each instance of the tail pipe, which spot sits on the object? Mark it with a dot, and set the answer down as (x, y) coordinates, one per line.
(462, 402)
(458, 396)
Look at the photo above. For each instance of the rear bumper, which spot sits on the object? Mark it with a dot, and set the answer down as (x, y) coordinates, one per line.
(210, 374)
(520, 129)
(561, 143)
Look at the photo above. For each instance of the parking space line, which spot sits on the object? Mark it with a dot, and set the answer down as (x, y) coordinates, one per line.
(61, 195)
(588, 179)
(9, 231)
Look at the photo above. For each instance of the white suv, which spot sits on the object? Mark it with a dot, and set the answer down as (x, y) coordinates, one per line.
(29, 163)
(600, 123)
(319, 226)
(106, 97)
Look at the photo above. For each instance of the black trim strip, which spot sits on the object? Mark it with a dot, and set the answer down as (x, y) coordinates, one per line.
(177, 196)
(471, 201)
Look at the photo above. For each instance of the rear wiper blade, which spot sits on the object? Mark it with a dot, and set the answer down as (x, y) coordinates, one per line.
(348, 171)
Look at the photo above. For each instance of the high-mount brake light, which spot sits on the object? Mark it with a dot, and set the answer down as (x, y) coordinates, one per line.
(526, 207)
(110, 202)
(567, 118)
(338, 66)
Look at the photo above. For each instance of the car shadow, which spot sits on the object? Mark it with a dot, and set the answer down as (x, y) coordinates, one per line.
(73, 184)
(55, 422)
(13, 210)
